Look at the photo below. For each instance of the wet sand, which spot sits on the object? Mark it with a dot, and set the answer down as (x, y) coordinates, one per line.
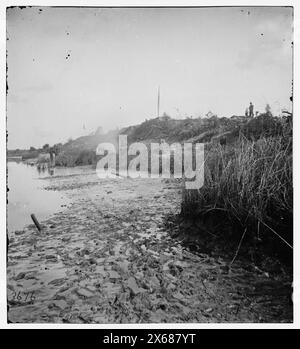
(108, 258)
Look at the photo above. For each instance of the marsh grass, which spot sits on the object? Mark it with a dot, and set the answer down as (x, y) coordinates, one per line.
(248, 184)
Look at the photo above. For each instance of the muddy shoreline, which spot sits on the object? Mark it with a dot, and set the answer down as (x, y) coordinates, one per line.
(108, 258)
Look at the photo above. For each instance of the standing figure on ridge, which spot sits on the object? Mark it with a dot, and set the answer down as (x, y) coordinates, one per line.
(251, 108)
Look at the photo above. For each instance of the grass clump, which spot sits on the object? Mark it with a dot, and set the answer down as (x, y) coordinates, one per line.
(248, 185)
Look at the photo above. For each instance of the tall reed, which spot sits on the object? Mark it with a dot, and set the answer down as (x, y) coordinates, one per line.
(248, 183)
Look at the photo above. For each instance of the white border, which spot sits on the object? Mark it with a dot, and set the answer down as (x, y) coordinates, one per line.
(140, 3)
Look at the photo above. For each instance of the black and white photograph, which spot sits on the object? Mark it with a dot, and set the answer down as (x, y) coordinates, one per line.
(149, 165)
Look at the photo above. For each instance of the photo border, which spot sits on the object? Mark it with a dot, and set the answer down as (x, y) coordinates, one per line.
(296, 160)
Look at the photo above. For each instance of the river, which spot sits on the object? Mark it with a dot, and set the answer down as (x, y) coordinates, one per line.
(27, 195)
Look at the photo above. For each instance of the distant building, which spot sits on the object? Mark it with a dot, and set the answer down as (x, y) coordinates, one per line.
(44, 157)
(47, 158)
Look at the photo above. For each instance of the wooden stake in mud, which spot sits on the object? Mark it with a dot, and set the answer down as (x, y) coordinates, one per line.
(35, 221)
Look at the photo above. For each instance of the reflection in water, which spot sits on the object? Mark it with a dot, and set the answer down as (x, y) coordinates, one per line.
(27, 194)
(42, 168)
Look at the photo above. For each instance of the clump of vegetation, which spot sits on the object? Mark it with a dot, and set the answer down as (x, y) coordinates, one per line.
(249, 184)
(76, 157)
(86, 157)
(265, 125)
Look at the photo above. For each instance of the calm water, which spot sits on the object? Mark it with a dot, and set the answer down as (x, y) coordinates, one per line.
(27, 195)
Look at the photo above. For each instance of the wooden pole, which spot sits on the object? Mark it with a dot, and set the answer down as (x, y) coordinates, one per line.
(35, 221)
(158, 101)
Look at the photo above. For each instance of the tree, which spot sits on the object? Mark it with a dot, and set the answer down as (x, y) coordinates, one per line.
(32, 149)
(99, 131)
(57, 148)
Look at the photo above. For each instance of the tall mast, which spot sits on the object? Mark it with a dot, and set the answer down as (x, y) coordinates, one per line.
(158, 100)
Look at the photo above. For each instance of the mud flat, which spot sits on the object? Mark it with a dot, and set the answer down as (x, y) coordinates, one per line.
(107, 258)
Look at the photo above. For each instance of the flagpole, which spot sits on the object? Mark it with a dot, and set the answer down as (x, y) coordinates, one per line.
(158, 101)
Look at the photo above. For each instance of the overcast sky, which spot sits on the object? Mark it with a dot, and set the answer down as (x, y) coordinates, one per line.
(71, 70)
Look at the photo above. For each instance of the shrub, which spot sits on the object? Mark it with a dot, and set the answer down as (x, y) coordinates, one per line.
(75, 157)
(86, 157)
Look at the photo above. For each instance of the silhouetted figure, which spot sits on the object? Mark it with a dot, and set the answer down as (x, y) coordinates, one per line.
(251, 110)
(268, 110)
(247, 112)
